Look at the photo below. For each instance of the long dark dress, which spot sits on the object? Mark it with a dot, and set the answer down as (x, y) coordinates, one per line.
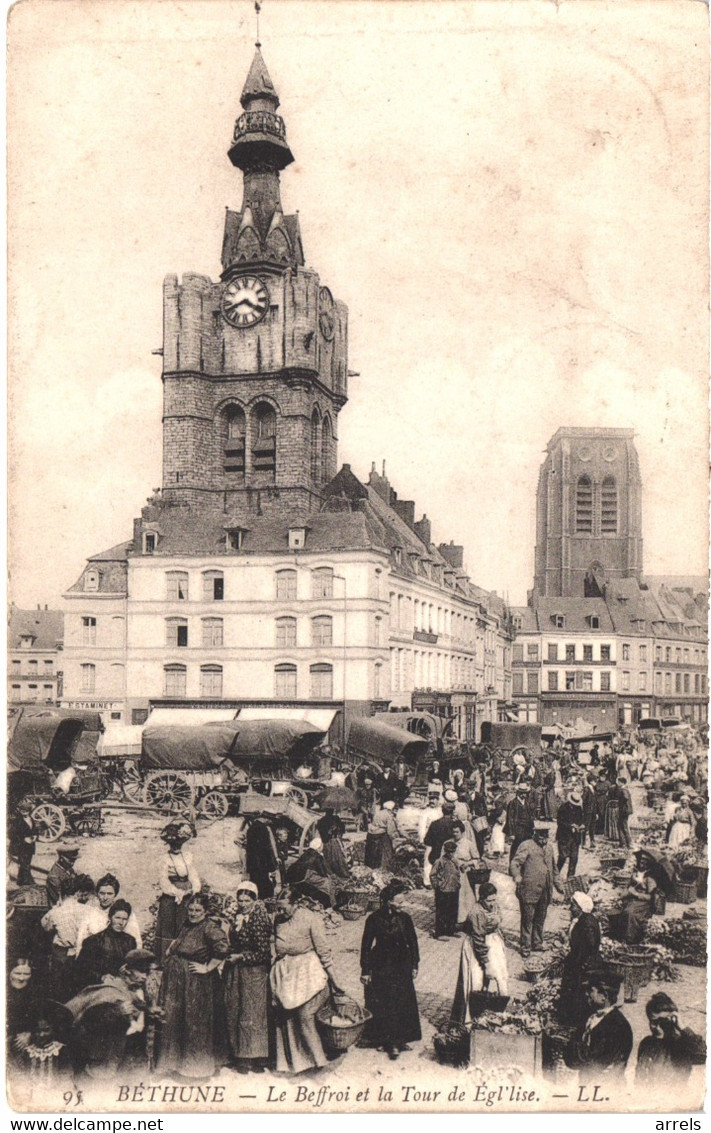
(193, 1034)
(246, 986)
(262, 857)
(583, 955)
(103, 954)
(388, 954)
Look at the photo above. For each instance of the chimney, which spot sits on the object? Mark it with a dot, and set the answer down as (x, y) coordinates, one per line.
(406, 510)
(453, 553)
(423, 528)
(380, 484)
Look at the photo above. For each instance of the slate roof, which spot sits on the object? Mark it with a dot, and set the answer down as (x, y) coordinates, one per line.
(46, 626)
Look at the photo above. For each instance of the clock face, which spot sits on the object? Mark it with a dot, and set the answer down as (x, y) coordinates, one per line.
(326, 320)
(609, 453)
(584, 453)
(245, 301)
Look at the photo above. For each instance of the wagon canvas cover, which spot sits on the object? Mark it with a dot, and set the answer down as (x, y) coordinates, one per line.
(51, 736)
(185, 748)
(385, 742)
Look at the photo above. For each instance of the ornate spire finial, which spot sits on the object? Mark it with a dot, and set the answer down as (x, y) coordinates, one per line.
(257, 8)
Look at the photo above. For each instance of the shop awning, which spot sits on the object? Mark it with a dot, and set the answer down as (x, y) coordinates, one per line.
(192, 717)
(120, 739)
(320, 718)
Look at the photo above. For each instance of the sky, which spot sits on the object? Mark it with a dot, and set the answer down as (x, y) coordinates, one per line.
(510, 197)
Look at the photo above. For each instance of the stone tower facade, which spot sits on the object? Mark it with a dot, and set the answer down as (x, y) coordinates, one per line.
(255, 368)
(588, 513)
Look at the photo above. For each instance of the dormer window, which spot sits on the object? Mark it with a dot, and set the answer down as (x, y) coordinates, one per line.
(150, 542)
(397, 555)
(516, 621)
(91, 580)
(297, 538)
(594, 621)
(26, 640)
(234, 540)
(558, 620)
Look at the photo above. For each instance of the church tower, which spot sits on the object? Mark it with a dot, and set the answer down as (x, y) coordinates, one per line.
(588, 513)
(255, 365)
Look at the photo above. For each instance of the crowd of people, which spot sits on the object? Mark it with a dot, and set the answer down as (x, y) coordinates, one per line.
(88, 995)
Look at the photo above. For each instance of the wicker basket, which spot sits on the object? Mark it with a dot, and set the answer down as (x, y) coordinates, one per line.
(608, 864)
(702, 880)
(578, 884)
(478, 876)
(481, 1001)
(352, 912)
(340, 1038)
(635, 970)
(452, 1046)
(684, 892)
(533, 966)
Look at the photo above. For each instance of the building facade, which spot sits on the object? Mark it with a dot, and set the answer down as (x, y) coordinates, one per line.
(599, 642)
(35, 657)
(258, 573)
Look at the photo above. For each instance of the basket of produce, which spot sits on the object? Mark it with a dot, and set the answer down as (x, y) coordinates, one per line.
(655, 799)
(342, 1022)
(533, 966)
(659, 902)
(452, 1046)
(701, 873)
(579, 884)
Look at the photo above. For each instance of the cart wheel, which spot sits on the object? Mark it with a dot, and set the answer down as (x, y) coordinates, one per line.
(131, 783)
(50, 822)
(213, 805)
(168, 792)
(297, 795)
(87, 824)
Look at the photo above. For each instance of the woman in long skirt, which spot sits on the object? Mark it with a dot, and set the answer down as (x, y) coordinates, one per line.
(483, 955)
(193, 1025)
(300, 979)
(389, 960)
(178, 880)
(246, 982)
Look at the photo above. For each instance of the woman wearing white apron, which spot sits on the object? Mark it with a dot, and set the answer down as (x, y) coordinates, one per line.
(483, 956)
(466, 857)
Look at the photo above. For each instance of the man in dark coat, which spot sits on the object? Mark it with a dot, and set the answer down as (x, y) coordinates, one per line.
(440, 831)
(262, 856)
(570, 831)
(626, 809)
(22, 836)
(669, 1053)
(589, 811)
(391, 789)
(602, 1047)
(60, 871)
(520, 818)
(534, 872)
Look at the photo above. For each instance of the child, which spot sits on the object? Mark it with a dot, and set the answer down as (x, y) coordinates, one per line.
(446, 879)
(497, 843)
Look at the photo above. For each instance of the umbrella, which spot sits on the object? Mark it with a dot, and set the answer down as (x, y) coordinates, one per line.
(660, 868)
(338, 798)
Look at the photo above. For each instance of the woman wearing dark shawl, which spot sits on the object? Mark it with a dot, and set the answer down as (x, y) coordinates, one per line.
(246, 981)
(389, 959)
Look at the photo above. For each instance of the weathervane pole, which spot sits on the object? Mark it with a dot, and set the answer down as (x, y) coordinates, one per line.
(257, 8)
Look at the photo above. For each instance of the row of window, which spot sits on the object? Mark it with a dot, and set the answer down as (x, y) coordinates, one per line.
(582, 681)
(213, 585)
(211, 681)
(408, 614)
(661, 653)
(570, 652)
(32, 667)
(213, 632)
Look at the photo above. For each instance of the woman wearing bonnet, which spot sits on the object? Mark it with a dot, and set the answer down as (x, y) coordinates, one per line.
(246, 982)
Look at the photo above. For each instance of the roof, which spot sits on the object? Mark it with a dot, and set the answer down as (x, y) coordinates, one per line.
(46, 627)
(576, 611)
(258, 83)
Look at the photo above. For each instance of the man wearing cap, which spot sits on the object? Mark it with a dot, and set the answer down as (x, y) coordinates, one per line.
(602, 1047)
(62, 868)
(22, 836)
(589, 809)
(534, 872)
(519, 817)
(107, 1014)
(569, 831)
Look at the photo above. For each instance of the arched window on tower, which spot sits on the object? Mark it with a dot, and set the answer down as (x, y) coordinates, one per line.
(263, 422)
(327, 450)
(584, 506)
(315, 446)
(234, 433)
(608, 506)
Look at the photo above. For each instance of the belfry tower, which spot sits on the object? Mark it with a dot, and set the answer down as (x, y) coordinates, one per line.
(255, 365)
(588, 513)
